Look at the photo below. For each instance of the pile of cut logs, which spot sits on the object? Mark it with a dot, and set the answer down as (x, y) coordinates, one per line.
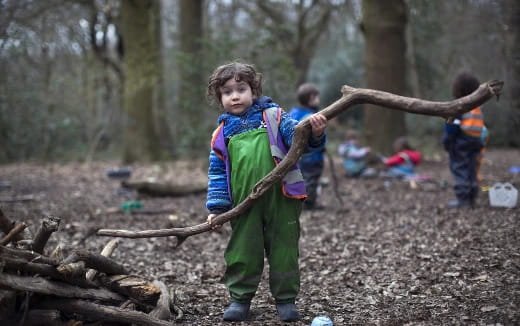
(44, 288)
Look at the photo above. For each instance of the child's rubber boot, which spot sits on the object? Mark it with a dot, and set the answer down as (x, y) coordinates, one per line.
(236, 311)
(287, 312)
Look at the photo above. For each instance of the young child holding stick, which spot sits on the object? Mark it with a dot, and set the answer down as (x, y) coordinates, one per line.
(253, 135)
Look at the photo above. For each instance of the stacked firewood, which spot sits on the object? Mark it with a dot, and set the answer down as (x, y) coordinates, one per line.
(40, 288)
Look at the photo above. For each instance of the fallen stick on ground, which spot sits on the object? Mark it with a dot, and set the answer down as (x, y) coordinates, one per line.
(98, 312)
(16, 199)
(106, 252)
(13, 234)
(44, 286)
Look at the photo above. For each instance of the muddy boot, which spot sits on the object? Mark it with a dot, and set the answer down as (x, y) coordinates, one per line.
(287, 312)
(236, 311)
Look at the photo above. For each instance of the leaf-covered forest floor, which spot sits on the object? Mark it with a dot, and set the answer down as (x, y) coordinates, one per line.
(395, 255)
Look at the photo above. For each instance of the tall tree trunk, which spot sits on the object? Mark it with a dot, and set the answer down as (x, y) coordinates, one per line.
(513, 78)
(191, 78)
(142, 68)
(4, 142)
(384, 25)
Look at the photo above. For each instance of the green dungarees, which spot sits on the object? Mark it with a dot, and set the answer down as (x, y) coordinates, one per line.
(271, 225)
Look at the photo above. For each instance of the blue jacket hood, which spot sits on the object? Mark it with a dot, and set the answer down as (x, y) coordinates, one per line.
(259, 105)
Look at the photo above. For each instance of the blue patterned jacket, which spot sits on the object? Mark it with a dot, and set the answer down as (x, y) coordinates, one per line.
(218, 193)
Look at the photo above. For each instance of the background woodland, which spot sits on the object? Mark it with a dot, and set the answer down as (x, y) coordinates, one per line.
(111, 82)
(109, 79)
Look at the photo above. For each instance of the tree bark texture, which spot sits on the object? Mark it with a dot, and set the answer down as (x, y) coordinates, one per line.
(6, 225)
(49, 225)
(384, 26)
(43, 317)
(162, 309)
(106, 252)
(44, 286)
(95, 261)
(13, 234)
(97, 312)
(133, 286)
(513, 48)
(28, 255)
(351, 96)
(15, 264)
(190, 106)
(191, 34)
(7, 303)
(142, 70)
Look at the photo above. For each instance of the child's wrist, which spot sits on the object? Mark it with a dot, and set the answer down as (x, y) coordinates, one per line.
(217, 211)
(316, 140)
(320, 136)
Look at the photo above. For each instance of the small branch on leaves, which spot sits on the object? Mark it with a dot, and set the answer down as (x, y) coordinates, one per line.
(13, 234)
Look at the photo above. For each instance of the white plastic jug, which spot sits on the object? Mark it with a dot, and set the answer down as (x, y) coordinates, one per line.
(503, 195)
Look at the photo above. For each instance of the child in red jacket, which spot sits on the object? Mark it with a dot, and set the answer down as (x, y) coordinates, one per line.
(402, 164)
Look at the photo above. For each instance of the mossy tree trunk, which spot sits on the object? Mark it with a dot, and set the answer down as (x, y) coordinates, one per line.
(191, 101)
(142, 85)
(384, 25)
(513, 48)
(4, 156)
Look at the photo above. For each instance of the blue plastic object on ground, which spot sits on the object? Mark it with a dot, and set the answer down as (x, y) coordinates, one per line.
(514, 169)
(121, 173)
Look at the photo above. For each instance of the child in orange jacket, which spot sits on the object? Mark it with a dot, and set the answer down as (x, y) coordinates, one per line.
(464, 139)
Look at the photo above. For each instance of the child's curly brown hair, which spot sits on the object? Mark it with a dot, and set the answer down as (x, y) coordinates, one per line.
(464, 84)
(239, 71)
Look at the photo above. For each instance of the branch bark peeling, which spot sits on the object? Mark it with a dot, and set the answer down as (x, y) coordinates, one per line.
(351, 96)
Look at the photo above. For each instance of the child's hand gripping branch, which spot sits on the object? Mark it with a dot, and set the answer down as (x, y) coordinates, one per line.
(210, 221)
(318, 123)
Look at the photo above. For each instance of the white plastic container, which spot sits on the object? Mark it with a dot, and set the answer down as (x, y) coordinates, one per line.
(503, 195)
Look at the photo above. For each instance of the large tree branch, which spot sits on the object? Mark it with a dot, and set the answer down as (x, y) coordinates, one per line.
(91, 310)
(44, 286)
(351, 96)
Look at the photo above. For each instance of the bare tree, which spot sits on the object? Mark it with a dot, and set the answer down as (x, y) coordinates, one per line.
(513, 49)
(297, 26)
